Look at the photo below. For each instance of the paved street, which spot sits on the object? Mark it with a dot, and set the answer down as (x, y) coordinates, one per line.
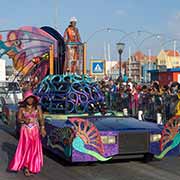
(124, 170)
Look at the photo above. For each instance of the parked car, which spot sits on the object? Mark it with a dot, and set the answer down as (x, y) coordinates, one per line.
(4, 111)
(8, 112)
(11, 92)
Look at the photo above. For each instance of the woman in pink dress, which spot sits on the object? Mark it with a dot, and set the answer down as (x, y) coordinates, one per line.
(29, 154)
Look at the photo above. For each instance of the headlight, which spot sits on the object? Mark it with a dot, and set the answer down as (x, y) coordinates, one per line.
(108, 139)
(155, 137)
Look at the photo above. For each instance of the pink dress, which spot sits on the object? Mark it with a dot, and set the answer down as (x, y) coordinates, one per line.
(29, 150)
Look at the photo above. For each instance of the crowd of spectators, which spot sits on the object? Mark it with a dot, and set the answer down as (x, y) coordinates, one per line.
(150, 99)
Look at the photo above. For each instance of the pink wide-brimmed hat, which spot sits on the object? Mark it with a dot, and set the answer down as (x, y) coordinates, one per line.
(28, 94)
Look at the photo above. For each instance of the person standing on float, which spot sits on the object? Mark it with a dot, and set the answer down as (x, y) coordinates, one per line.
(71, 38)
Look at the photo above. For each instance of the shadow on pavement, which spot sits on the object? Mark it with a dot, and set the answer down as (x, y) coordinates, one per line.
(9, 149)
(10, 130)
(66, 163)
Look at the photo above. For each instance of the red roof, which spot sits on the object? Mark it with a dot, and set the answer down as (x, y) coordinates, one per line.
(139, 56)
(151, 58)
(116, 66)
(172, 53)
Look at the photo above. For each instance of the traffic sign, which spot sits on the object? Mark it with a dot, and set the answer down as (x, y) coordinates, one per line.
(98, 67)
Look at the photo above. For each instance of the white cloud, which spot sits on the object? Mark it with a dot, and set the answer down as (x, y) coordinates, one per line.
(177, 16)
(174, 24)
(3, 21)
(120, 12)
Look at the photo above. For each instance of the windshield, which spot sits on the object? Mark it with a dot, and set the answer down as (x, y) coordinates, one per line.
(10, 86)
(2, 90)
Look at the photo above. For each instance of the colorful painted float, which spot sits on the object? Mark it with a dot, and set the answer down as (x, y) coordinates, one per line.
(79, 126)
(92, 138)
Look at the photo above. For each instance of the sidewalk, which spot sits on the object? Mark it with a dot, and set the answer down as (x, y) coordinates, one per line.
(51, 169)
(7, 149)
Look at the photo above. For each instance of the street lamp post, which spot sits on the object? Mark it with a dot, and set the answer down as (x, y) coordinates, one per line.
(120, 48)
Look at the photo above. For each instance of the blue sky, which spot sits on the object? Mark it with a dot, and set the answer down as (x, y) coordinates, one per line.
(156, 16)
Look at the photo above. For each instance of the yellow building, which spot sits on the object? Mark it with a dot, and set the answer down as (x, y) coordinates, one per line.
(109, 67)
(168, 58)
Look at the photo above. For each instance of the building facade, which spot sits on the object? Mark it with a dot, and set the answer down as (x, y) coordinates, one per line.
(138, 67)
(166, 76)
(148, 64)
(2, 70)
(133, 70)
(110, 71)
(168, 58)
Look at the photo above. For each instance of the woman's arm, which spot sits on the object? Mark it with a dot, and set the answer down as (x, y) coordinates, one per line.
(41, 122)
(20, 116)
(40, 117)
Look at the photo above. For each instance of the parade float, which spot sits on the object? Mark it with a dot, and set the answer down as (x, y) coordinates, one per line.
(79, 126)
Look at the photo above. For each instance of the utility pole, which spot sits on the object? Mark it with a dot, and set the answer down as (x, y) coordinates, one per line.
(174, 60)
(56, 15)
(105, 56)
(109, 58)
(149, 60)
(129, 62)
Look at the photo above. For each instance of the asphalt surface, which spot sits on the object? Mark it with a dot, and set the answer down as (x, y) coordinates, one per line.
(55, 169)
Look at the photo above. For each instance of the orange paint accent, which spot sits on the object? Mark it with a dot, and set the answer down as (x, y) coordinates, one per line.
(84, 57)
(51, 54)
(174, 76)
